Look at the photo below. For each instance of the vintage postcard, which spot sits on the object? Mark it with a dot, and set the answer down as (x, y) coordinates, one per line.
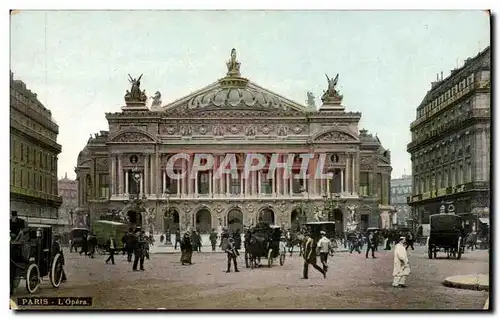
(266, 160)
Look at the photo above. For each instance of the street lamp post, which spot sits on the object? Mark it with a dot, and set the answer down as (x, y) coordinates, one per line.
(168, 219)
(303, 203)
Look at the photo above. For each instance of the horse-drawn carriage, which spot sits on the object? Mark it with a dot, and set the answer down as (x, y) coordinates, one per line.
(447, 232)
(77, 238)
(32, 258)
(103, 230)
(263, 241)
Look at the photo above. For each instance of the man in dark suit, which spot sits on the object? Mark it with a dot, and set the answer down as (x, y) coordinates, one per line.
(372, 243)
(139, 250)
(310, 256)
(111, 247)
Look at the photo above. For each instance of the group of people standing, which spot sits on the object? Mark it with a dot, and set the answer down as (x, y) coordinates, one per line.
(135, 243)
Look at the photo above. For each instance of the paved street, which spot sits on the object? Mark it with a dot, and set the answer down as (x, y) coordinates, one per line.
(353, 282)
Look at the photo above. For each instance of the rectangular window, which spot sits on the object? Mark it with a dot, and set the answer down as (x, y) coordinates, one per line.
(364, 184)
(104, 186)
(267, 184)
(171, 184)
(203, 183)
(297, 184)
(235, 186)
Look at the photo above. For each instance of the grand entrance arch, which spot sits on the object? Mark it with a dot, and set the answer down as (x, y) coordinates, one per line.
(203, 221)
(134, 218)
(171, 221)
(295, 219)
(267, 216)
(338, 218)
(234, 220)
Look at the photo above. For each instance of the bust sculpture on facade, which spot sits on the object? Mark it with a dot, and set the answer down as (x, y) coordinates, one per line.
(331, 94)
(135, 94)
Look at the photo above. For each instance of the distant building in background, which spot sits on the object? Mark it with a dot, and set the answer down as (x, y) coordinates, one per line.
(33, 157)
(401, 188)
(450, 147)
(68, 190)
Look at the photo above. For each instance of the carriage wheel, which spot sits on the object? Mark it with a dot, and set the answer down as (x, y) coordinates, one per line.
(282, 259)
(459, 251)
(32, 278)
(270, 258)
(57, 270)
(247, 263)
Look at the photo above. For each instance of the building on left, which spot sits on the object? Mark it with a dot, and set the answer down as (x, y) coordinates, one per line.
(68, 190)
(33, 157)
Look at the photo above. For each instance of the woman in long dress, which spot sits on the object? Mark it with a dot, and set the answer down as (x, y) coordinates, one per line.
(401, 264)
(186, 249)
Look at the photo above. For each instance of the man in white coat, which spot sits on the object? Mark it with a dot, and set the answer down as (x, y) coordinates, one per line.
(401, 264)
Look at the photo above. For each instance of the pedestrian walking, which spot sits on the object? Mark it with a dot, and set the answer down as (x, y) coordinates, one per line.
(186, 249)
(139, 251)
(409, 241)
(232, 253)
(401, 264)
(371, 244)
(310, 257)
(177, 239)
(213, 239)
(324, 249)
(111, 247)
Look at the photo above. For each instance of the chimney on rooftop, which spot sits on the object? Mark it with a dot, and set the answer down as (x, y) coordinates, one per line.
(441, 75)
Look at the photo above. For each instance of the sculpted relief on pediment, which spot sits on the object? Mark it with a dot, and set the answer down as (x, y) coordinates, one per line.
(132, 137)
(335, 136)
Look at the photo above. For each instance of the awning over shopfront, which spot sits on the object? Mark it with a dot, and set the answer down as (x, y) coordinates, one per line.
(485, 220)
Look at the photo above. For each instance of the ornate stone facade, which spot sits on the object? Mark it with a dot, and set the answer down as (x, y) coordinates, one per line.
(33, 157)
(450, 148)
(234, 115)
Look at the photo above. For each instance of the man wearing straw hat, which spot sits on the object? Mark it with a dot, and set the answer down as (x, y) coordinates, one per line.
(401, 264)
(324, 248)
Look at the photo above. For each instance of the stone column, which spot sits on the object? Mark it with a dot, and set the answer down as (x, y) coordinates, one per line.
(273, 183)
(259, 181)
(247, 185)
(322, 186)
(348, 174)
(285, 184)
(353, 173)
(158, 175)
(279, 178)
(146, 174)
(120, 175)
(196, 184)
(342, 180)
(290, 183)
(126, 183)
(141, 183)
(328, 186)
(241, 182)
(304, 182)
(178, 187)
(113, 175)
(152, 175)
(210, 183)
(254, 184)
(213, 180)
(227, 186)
(484, 155)
(164, 186)
(184, 179)
(188, 179)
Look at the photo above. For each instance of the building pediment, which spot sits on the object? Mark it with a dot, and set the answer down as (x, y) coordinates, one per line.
(335, 136)
(132, 136)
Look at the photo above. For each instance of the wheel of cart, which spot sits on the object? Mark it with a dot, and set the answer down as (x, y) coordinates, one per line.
(270, 257)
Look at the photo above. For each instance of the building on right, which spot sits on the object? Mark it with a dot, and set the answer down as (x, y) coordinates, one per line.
(450, 147)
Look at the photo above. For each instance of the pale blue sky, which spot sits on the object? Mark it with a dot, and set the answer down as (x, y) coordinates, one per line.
(386, 60)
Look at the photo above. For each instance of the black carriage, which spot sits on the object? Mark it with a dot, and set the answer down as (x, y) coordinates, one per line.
(33, 257)
(78, 238)
(447, 233)
(263, 241)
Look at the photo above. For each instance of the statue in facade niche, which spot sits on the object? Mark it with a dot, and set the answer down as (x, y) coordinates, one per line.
(135, 93)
